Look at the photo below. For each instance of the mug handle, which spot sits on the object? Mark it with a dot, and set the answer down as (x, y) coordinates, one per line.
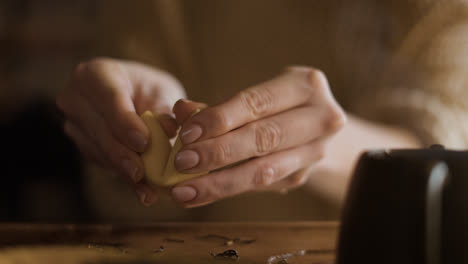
(438, 179)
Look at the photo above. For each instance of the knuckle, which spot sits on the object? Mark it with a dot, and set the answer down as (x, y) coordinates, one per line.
(310, 80)
(297, 69)
(222, 155)
(316, 76)
(220, 189)
(222, 121)
(264, 175)
(316, 82)
(335, 119)
(267, 137)
(85, 70)
(97, 64)
(297, 180)
(257, 101)
(80, 71)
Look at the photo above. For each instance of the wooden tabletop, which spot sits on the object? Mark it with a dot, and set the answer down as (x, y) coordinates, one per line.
(257, 242)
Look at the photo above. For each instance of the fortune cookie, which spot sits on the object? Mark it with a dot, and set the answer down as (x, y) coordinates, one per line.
(158, 159)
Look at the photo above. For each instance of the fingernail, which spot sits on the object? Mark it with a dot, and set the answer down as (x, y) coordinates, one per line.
(166, 117)
(141, 195)
(184, 194)
(131, 169)
(137, 140)
(190, 134)
(186, 159)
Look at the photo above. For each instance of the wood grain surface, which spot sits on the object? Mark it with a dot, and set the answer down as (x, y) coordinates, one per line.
(181, 242)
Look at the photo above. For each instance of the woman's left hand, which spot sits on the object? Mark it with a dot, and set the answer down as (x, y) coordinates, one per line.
(279, 128)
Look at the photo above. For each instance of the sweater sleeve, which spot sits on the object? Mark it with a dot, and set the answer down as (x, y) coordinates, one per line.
(425, 85)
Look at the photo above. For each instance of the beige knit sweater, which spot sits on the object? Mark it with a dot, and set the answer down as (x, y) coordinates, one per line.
(401, 62)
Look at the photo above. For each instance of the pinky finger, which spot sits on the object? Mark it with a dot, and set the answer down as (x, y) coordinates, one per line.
(293, 181)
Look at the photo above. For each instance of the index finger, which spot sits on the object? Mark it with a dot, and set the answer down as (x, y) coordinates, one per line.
(107, 88)
(293, 88)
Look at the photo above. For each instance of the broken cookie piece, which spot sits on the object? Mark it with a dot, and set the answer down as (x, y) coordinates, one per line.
(158, 158)
(158, 150)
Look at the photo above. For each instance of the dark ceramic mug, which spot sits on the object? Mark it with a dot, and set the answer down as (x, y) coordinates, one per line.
(407, 206)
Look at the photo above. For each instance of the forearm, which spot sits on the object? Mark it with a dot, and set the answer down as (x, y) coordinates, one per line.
(330, 176)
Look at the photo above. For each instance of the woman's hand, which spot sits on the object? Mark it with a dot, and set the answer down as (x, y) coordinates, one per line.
(278, 128)
(102, 105)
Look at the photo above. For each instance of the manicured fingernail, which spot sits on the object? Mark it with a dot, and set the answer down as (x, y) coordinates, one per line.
(184, 194)
(137, 140)
(190, 134)
(131, 169)
(166, 117)
(141, 195)
(186, 159)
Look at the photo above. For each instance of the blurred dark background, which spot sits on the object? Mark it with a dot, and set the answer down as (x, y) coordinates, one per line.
(40, 42)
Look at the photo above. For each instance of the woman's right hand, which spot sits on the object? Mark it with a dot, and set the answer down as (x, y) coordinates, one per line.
(102, 106)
